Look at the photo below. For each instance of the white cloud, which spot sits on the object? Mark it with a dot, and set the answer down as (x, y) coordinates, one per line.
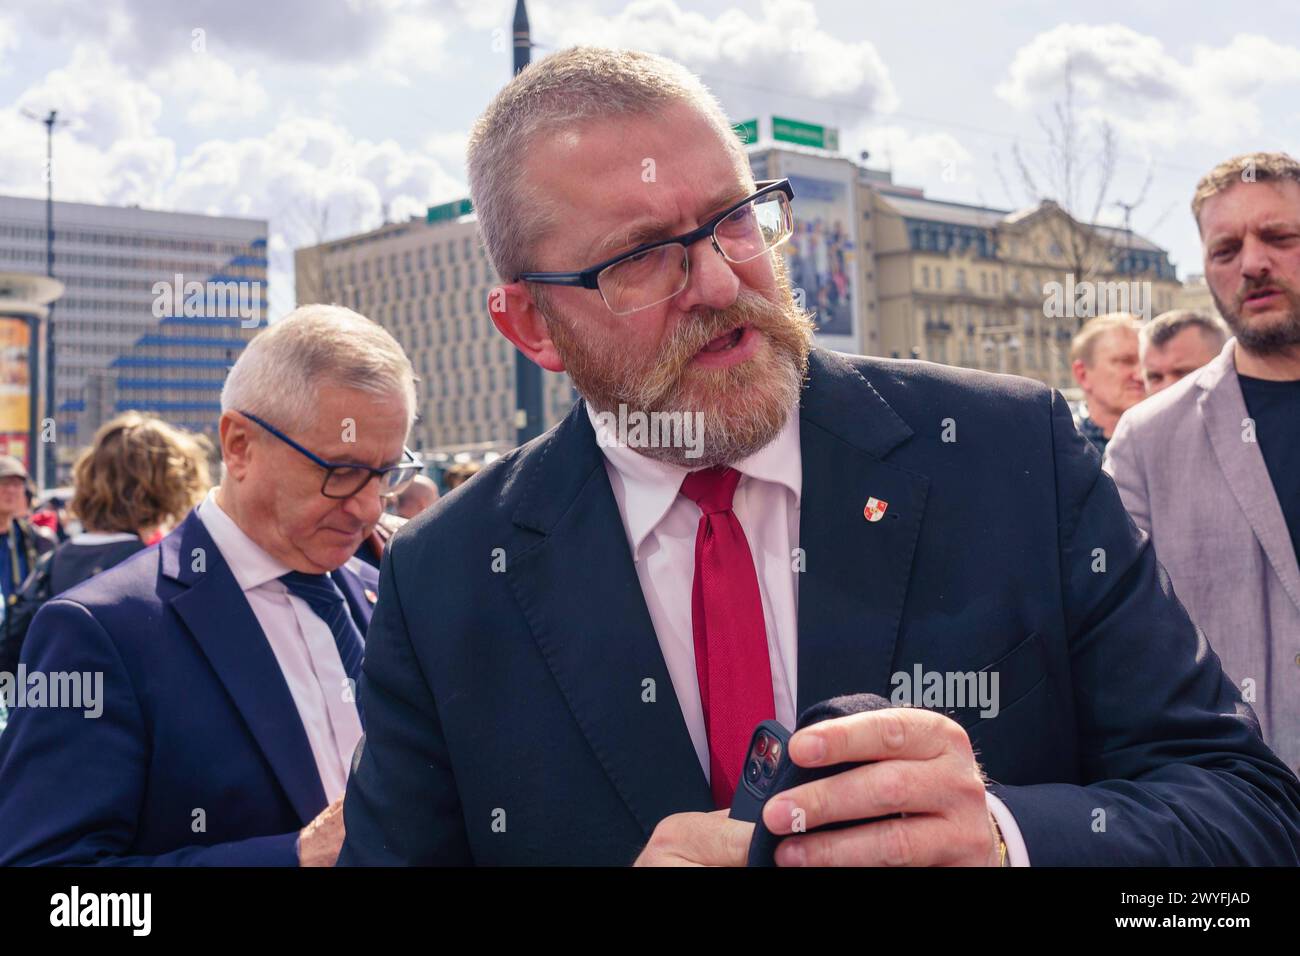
(310, 178)
(448, 148)
(313, 181)
(8, 41)
(98, 101)
(914, 159)
(210, 90)
(1146, 93)
(339, 40)
(784, 48)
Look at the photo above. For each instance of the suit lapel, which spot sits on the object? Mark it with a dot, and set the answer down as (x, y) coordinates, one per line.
(579, 590)
(219, 617)
(354, 589)
(857, 571)
(1223, 412)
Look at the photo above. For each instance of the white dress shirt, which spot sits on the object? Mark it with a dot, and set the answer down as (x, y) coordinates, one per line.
(303, 646)
(661, 524)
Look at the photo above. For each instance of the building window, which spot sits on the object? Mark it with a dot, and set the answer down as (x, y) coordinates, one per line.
(925, 277)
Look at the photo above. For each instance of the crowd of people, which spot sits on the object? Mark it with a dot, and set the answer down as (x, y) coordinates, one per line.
(562, 660)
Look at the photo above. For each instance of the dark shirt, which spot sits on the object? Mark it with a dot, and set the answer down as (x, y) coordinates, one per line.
(1275, 408)
(1092, 431)
(11, 546)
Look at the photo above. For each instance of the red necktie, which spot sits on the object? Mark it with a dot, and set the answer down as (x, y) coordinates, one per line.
(731, 659)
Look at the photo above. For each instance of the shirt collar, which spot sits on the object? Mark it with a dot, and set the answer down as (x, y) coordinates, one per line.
(251, 566)
(651, 486)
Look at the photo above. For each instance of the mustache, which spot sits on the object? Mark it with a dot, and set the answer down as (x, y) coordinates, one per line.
(690, 336)
(1255, 285)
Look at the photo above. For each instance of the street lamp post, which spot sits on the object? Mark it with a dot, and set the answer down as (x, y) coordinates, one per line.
(44, 463)
(528, 377)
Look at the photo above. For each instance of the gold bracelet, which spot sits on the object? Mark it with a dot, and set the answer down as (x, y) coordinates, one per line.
(1002, 843)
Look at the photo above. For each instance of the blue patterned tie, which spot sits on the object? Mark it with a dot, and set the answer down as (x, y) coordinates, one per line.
(324, 597)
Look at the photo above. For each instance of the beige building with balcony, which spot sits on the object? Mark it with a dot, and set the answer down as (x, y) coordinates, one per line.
(1004, 291)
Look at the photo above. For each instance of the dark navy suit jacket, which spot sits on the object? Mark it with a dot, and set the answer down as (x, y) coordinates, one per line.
(199, 757)
(506, 714)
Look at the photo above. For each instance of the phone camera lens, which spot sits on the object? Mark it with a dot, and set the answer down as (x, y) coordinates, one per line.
(769, 766)
(753, 771)
(760, 747)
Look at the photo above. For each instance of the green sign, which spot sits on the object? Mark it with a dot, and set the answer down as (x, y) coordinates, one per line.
(747, 131)
(449, 210)
(805, 134)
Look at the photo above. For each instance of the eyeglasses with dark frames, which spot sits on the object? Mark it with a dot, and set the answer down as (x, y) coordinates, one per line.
(654, 272)
(345, 479)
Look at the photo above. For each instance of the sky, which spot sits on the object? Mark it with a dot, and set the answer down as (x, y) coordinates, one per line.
(325, 116)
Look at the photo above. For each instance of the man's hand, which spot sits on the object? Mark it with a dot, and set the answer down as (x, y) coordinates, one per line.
(923, 768)
(321, 840)
(698, 839)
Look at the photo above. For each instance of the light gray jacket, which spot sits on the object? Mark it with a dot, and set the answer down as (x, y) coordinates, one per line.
(1191, 474)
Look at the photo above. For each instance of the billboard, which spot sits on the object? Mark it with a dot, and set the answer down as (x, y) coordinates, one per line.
(15, 397)
(822, 257)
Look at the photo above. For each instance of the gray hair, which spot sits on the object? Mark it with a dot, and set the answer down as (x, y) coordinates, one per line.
(1165, 326)
(573, 86)
(277, 377)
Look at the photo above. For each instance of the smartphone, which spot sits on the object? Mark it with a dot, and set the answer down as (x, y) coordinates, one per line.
(764, 761)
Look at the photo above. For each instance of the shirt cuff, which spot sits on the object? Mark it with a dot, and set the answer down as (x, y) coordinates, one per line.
(1017, 852)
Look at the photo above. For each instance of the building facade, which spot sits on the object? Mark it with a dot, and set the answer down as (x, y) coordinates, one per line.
(1004, 291)
(134, 279)
(887, 271)
(427, 283)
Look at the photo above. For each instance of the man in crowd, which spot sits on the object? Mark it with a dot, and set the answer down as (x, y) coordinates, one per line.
(1175, 344)
(1210, 467)
(572, 650)
(228, 716)
(419, 495)
(1104, 360)
(21, 542)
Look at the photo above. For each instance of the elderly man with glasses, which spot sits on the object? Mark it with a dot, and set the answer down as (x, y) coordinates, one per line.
(225, 658)
(574, 649)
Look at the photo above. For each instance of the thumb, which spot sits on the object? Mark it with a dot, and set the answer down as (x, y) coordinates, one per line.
(730, 844)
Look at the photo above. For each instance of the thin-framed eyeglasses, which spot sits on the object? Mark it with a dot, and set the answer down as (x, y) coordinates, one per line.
(343, 479)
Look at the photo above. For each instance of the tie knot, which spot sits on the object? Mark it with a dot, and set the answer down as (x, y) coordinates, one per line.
(712, 488)
(315, 589)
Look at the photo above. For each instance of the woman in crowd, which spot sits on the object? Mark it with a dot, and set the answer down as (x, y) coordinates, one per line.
(138, 479)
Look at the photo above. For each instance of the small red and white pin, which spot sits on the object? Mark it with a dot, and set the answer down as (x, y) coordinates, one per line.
(875, 509)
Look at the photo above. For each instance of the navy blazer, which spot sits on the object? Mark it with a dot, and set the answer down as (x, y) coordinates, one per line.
(505, 681)
(199, 756)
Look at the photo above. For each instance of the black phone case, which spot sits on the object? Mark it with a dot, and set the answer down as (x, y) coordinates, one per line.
(763, 844)
(751, 794)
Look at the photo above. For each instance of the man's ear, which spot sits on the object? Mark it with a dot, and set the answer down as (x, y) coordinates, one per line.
(517, 317)
(1080, 372)
(236, 434)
